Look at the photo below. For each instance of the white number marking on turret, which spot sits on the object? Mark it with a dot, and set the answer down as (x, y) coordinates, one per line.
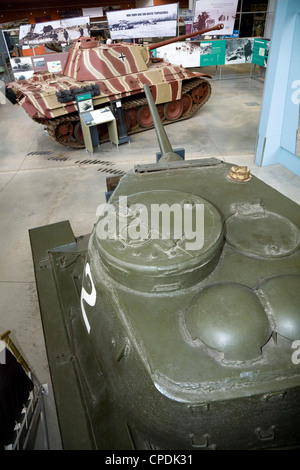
(90, 299)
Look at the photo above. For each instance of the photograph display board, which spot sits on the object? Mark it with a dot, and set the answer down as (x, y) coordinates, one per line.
(14, 24)
(181, 53)
(239, 51)
(22, 67)
(147, 22)
(212, 12)
(216, 52)
(60, 30)
(84, 103)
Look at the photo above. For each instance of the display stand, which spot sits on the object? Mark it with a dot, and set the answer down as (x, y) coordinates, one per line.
(118, 112)
(89, 121)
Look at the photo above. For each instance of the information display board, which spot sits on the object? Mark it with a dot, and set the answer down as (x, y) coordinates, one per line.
(216, 52)
(89, 121)
(184, 53)
(212, 12)
(84, 102)
(260, 52)
(147, 22)
(59, 30)
(239, 51)
(212, 52)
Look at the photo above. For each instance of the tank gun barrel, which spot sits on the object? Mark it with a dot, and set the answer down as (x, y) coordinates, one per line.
(185, 36)
(167, 153)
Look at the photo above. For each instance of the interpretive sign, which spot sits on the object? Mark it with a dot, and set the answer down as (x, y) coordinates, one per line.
(260, 52)
(64, 30)
(147, 22)
(212, 12)
(212, 52)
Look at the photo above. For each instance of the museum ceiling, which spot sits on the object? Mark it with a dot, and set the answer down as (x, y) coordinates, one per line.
(13, 5)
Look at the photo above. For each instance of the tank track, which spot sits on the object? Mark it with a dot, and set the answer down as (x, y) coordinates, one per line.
(62, 129)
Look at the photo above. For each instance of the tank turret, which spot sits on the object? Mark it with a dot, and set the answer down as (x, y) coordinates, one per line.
(111, 72)
(175, 324)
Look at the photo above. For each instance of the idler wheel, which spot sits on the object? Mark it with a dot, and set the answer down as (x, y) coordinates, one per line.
(200, 93)
(173, 110)
(187, 103)
(64, 131)
(78, 133)
(160, 108)
(144, 117)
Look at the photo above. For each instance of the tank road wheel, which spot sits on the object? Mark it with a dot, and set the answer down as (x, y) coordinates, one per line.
(133, 117)
(64, 131)
(144, 117)
(187, 104)
(160, 108)
(78, 133)
(201, 92)
(173, 110)
(127, 120)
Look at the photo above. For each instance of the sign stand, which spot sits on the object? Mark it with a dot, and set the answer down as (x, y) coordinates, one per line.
(118, 112)
(90, 118)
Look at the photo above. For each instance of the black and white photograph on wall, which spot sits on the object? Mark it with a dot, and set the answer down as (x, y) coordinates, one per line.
(185, 53)
(65, 30)
(209, 13)
(39, 61)
(239, 51)
(22, 67)
(158, 21)
(85, 105)
(187, 16)
(14, 24)
(21, 64)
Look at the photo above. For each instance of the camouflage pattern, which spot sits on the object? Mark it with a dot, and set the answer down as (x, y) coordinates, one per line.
(120, 71)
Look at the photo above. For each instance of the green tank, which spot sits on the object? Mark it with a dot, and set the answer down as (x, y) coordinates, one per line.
(175, 324)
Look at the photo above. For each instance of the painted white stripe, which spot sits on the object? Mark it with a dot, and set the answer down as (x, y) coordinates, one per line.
(37, 105)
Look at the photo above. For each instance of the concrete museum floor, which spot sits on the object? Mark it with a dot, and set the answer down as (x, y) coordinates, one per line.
(42, 182)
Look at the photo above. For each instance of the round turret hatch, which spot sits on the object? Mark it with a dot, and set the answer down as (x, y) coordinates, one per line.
(159, 241)
(230, 319)
(264, 234)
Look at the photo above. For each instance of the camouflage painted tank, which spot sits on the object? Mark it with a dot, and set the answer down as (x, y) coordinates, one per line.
(111, 72)
(154, 343)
